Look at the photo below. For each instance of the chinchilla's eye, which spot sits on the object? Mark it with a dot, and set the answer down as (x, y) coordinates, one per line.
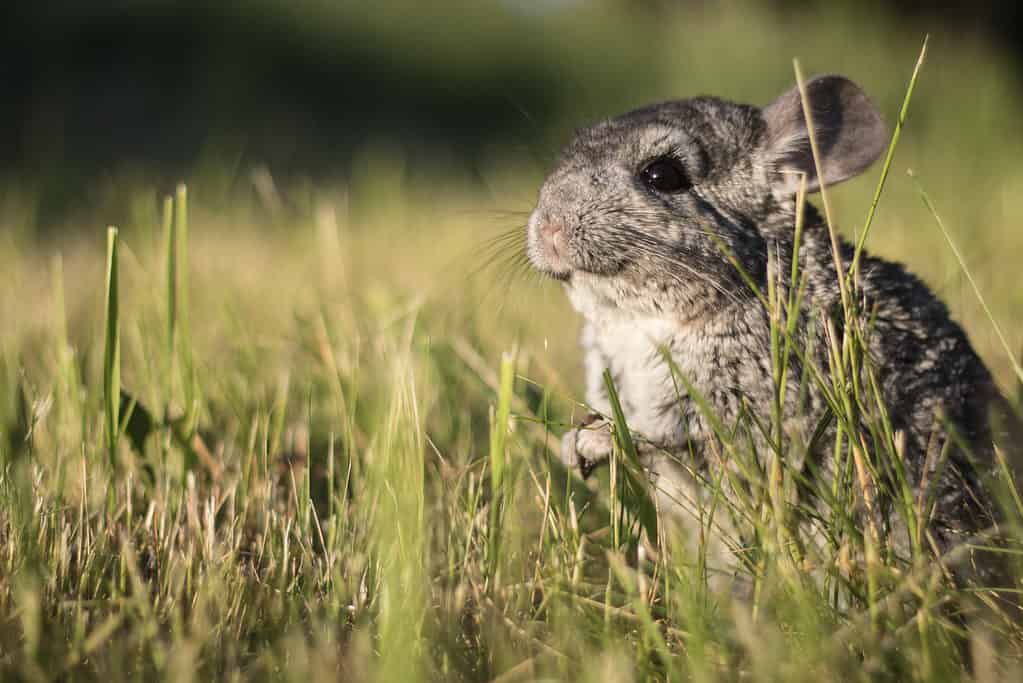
(664, 175)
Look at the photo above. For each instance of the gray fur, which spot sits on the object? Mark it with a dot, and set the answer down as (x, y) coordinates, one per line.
(643, 270)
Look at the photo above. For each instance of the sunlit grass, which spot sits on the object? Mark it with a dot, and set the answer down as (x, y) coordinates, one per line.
(340, 517)
(335, 452)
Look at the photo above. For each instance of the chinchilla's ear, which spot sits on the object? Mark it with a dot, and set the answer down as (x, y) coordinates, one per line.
(848, 127)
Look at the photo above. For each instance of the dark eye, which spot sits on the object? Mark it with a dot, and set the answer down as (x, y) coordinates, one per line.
(665, 175)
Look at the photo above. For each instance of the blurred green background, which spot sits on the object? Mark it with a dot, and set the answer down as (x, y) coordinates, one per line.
(91, 89)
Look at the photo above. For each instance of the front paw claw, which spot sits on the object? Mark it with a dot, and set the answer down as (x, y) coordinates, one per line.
(588, 445)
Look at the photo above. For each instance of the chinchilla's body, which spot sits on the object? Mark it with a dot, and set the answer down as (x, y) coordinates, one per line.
(645, 219)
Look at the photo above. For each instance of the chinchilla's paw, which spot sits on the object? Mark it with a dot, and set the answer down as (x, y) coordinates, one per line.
(588, 445)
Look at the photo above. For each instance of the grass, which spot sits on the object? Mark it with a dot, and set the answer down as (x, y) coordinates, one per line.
(319, 443)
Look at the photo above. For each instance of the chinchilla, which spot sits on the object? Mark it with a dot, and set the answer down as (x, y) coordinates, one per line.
(660, 223)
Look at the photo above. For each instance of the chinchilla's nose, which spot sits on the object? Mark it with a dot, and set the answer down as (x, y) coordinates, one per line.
(552, 231)
(549, 242)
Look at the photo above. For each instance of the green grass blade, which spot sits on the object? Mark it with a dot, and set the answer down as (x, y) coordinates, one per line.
(637, 493)
(888, 157)
(112, 350)
(499, 428)
(500, 416)
(171, 268)
(182, 317)
(812, 134)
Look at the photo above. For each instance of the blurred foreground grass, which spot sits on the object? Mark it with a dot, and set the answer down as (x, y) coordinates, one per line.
(303, 490)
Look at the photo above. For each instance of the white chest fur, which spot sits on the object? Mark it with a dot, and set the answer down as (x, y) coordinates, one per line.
(631, 347)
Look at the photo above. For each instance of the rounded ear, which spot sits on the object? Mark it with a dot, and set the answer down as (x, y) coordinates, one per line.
(848, 127)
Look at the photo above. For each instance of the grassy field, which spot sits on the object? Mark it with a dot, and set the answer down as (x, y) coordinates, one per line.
(332, 451)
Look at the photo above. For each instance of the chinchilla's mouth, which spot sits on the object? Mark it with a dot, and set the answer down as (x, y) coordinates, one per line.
(562, 275)
(555, 266)
(552, 265)
(599, 271)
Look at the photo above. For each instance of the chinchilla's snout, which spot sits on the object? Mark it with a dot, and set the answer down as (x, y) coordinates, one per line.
(571, 229)
(554, 235)
(549, 244)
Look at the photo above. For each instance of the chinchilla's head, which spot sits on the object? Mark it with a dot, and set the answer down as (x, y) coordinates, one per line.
(646, 211)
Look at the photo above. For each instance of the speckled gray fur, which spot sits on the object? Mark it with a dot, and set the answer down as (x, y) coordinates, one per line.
(643, 270)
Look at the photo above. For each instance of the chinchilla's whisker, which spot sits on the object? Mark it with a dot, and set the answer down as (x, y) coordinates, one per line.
(494, 250)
